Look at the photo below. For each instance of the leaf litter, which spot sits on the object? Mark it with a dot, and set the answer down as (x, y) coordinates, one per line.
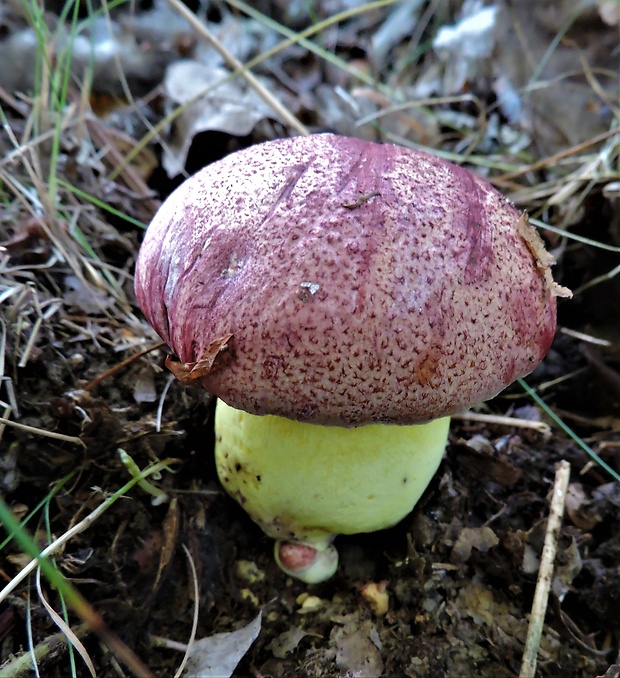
(448, 591)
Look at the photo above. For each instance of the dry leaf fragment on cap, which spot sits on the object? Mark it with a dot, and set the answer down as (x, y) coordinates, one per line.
(544, 259)
(212, 360)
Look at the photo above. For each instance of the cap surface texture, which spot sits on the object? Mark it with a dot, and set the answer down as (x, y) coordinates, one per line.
(361, 282)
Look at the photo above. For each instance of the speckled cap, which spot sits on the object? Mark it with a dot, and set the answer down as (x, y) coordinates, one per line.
(350, 282)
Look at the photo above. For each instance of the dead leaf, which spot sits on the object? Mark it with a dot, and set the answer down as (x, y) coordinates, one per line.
(212, 100)
(578, 508)
(144, 390)
(481, 458)
(170, 535)
(217, 656)
(356, 646)
(531, 560)
(88, 298)
(286, 642)
(569, 567)
(480, 538)
(476, 600)
(189, 372)
(466, 46)
(560, 106)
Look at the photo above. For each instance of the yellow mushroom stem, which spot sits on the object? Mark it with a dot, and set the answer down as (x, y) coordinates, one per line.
(305, 483)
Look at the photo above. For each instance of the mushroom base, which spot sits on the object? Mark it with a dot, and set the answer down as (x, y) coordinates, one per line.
(306, 483)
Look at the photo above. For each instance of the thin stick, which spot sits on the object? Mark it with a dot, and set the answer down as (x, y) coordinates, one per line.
(545, 571)
(499, 420)
(42, 432)
(120, 366)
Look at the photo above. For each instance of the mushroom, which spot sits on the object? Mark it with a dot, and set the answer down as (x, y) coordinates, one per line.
(342, 299)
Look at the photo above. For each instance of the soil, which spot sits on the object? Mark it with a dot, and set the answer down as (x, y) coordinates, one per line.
(459, 572)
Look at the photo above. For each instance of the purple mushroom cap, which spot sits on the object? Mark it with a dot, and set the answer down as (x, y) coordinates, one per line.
(351, 282)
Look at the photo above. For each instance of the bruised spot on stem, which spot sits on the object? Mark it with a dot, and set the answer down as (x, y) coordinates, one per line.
(296, 556)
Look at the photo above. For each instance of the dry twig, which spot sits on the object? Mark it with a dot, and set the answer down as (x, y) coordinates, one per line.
(545, 571)
(499, 420)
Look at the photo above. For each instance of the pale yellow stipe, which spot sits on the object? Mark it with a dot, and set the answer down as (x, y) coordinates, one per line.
(307, 483)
